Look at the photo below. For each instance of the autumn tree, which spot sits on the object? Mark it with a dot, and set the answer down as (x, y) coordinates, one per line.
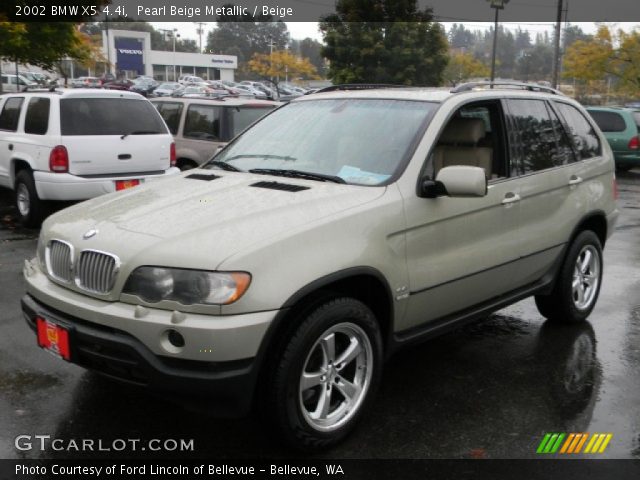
(606, 55)
(463, 66)
(43, 44)
(384, 41)
(279, 65)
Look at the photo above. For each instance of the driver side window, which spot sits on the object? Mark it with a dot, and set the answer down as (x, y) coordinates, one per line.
(473, 136)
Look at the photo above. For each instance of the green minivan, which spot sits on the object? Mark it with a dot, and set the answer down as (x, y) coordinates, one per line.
(620, 126)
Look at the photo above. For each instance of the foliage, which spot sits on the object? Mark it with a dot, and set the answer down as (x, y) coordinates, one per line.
(606, 55)
(244, 35)
(311, 49)
(383, 41)
(463, 66)
(280, 64)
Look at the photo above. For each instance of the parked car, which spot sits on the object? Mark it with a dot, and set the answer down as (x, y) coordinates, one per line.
(107, 78)
(621, 128)
(78, 144)
(320, 241)
(86, 82)
(120, 84)
(187, 79)
(268, 92)
(200, 126)
(252, 91)
(167, 89)
(16, 83)
(144, 86)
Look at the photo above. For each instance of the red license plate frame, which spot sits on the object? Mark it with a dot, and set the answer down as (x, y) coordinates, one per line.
(54, 338)
(126, 184)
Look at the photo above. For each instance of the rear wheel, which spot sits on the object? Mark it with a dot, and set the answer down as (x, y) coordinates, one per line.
(31, 209)
(578, 284)
(326, 375)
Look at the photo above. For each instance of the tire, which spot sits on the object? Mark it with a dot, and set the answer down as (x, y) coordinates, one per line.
(578, 283)
(31, 210)
(296, 409)
(185, 165)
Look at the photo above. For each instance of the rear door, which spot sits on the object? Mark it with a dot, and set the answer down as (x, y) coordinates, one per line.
(113, 135)
(552, 191)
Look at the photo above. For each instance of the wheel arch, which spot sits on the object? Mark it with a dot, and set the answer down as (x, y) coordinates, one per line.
(595, 221)
(17, 165)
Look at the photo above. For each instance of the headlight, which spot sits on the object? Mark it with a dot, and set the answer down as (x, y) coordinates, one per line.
(154, 284)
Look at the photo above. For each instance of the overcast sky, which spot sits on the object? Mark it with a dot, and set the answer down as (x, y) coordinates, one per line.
(300, 30)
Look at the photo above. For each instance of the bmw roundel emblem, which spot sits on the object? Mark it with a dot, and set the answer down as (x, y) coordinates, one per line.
(90, 233)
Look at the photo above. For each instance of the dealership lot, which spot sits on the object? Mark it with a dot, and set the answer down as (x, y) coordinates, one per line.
(489, 390)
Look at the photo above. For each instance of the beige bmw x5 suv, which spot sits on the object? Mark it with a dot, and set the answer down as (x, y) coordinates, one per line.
(334, 231)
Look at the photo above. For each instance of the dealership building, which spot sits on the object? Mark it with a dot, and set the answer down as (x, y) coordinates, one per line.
(130, 54)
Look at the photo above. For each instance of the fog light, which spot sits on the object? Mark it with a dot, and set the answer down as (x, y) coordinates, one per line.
(175, 338)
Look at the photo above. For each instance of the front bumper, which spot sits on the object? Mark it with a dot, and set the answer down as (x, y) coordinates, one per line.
(67, 187)
(228, 387)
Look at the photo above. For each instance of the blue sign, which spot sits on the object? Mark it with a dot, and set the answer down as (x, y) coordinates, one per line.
(129, 55)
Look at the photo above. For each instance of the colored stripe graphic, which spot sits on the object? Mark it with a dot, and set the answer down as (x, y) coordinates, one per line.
(573, 443)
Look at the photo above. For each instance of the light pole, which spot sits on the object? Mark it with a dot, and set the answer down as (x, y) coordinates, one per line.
(200, 31)
(498, 5)
(175, 78)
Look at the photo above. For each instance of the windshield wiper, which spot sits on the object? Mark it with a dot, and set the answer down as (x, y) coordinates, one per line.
(266, 157)
(298, 174)
(223, 166)
(138, 132)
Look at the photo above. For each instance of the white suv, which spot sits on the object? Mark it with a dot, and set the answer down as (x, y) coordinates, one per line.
(334, 231)
(78, 144)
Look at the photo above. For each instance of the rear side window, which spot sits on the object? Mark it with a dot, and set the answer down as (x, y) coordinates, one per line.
(242, 117)
(608, 121)
(170, 113)
(582, 134)
(109, 116)
(10, 114)
(37, 119)
(542, 141)
(202, 122)
(636, 117)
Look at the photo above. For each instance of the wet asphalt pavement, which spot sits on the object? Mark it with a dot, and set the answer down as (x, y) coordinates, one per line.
(489, 390)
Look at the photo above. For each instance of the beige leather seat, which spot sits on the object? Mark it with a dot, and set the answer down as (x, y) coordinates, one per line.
(458, 145)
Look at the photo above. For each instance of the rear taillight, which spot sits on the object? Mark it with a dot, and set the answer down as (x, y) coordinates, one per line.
(172, 155)
(634, 143)
(59, 159)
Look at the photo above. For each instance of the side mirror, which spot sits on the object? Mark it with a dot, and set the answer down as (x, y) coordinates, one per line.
(463, 181)
(456, 181)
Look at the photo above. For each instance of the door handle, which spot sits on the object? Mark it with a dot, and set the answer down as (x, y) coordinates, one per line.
(11, 146)
(574, 180)
(510, 197)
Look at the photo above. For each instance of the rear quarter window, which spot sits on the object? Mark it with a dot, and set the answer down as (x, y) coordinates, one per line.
(243, 117)
(608, 121)
(10, 114)
(583, 136)
(170, 112)
(109, 116)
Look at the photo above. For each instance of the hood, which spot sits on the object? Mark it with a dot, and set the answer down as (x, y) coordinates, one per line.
(165, 221)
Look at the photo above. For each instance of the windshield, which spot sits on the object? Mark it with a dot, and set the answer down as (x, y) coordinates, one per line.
(362, 141)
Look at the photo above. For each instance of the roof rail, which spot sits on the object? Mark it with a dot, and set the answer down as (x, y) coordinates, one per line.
(533, 87)
(358, 86)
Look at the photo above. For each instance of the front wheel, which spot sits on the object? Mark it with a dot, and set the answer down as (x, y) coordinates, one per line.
(578, 284)
(326, 375)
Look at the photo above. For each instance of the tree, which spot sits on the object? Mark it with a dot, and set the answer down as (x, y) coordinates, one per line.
(463, 66)
(384, 41)
(244, 35)
(311, 49)
(280, 64)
